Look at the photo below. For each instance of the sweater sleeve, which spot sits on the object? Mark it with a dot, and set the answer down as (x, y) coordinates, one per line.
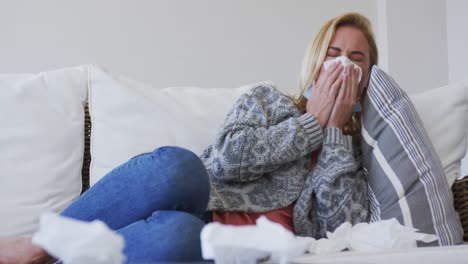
(336, 192)
(261, 134)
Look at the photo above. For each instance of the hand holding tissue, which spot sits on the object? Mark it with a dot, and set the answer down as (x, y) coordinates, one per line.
(345, 62)
(76, 242)
(268, 239)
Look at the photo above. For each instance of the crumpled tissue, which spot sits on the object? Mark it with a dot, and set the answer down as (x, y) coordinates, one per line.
(376, 236)
(76, 242)
(248, 244)
(346, 63)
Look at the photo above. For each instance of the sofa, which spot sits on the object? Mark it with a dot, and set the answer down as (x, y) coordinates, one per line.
(119, 117)
(459, 187)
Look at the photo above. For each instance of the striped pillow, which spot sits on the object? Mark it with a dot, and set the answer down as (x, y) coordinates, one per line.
(406, 178)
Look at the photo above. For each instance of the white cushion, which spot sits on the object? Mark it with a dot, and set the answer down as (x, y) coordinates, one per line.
(129, 118)
(444, 113)
(41, 139)
(464, 166)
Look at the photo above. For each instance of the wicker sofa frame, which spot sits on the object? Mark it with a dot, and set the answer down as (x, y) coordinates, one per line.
(460, 187)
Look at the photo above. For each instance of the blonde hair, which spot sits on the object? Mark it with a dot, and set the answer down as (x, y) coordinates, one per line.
(317, 51)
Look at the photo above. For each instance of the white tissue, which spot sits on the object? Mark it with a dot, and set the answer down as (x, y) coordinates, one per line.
(345, 62)
(76, 242)
(248, 244)
(376, 236)
(228, 244)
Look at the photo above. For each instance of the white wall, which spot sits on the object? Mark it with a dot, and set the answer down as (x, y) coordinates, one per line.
(207, 43)
(417, 43)
(457, 36)
(227, 43)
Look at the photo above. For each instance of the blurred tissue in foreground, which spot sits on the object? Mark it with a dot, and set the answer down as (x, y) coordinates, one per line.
(77, 242)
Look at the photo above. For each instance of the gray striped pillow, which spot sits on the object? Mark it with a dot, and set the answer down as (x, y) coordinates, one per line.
(406, 178)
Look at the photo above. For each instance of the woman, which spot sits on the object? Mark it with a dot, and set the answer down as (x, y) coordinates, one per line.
(293, 160)
(261, 160)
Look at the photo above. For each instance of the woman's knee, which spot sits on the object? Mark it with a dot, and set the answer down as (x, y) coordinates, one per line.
(184, 166)
(185, 172)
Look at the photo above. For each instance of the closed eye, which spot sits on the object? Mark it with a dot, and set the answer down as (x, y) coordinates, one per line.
(333, 52)
(357, 56)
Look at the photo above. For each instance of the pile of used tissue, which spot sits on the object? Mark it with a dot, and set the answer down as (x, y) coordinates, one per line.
(75, 241)
(249, 244)
(376, 236)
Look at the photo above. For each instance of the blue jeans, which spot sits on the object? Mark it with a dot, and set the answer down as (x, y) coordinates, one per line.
(155, 201)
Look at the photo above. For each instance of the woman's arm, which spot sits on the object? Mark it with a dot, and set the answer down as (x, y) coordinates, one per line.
(336, 192)
(339, 184)
(262, 133)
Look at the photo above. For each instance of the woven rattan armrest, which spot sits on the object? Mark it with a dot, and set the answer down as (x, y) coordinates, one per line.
(460, 197)
(87, 153)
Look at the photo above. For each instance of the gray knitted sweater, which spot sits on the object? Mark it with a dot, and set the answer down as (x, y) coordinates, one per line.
(261, 159)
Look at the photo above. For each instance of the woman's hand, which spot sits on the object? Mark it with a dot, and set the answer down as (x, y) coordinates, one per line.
(324, 93)
(346, 100)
